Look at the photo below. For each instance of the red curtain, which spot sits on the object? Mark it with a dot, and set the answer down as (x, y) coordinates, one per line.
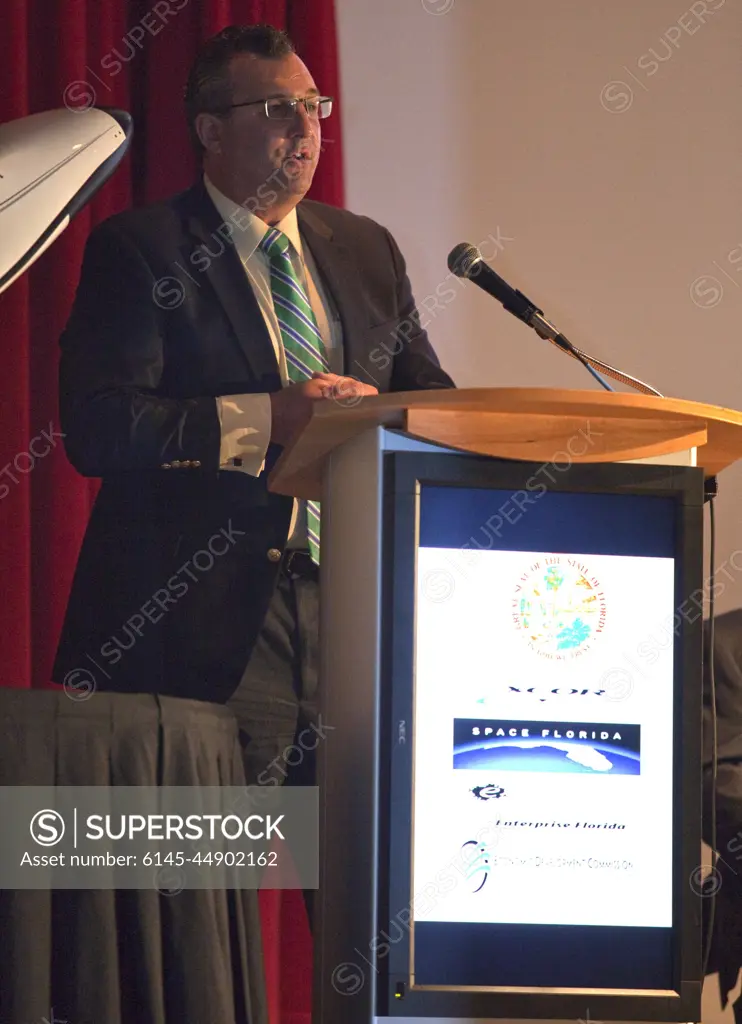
(131, 54)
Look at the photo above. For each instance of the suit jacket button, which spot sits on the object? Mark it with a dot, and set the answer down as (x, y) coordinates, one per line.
(274, 555)
(186, 464)
(196, 464)
(166, 465)
(175, 463)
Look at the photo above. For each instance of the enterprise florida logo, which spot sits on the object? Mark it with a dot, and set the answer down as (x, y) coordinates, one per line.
(489, 792)
(497, 745)
(559, 607)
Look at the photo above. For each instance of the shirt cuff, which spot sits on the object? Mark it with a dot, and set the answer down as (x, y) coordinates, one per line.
(245, 432)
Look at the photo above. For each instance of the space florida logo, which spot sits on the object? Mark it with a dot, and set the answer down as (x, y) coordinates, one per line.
(559, 607)
(499, 745)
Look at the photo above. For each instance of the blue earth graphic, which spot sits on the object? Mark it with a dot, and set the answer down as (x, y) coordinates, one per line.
(547, 755)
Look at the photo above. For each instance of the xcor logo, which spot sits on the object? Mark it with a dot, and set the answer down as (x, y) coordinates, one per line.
(558, 691)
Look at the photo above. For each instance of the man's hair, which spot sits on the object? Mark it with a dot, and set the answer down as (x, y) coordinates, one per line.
(208, 88)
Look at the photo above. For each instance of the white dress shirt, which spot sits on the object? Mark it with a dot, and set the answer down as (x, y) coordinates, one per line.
(246, 419)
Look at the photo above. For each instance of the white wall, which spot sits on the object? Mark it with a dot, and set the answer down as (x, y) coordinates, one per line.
(601, 141)
(477, 119)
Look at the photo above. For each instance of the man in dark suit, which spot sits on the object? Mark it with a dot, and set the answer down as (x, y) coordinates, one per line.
(180, 383)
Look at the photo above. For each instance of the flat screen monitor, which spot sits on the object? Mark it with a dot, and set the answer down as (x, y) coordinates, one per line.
(548, 667)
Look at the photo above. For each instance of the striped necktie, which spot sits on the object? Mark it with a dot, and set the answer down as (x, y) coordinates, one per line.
(302, 342)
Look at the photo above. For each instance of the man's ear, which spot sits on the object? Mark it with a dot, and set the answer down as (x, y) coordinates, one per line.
(209, 128)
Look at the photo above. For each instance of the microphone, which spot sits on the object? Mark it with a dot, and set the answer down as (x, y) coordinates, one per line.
(465, 260)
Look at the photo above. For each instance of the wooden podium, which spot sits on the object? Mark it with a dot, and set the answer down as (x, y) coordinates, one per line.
(531, 424)
(352, 455)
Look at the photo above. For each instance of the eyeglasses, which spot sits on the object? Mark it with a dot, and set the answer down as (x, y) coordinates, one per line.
(285, 109)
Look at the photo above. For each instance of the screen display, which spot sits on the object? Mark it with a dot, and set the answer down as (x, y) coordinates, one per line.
(543, 733)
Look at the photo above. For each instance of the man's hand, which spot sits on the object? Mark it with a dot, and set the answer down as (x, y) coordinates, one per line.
(291, 407)
(346, 390)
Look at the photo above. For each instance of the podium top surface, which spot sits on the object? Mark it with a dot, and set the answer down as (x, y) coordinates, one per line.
(532, 424)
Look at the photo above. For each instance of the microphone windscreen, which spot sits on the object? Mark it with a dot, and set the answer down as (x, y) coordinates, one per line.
(462, 258)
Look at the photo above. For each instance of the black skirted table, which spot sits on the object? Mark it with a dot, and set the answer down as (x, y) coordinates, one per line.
(125, 956)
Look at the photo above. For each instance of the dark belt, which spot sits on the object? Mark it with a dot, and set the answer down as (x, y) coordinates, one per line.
(298, 564)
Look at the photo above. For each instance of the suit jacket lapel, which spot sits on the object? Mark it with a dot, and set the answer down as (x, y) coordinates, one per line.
(213, 257)
(338, 269)
(216, 259)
